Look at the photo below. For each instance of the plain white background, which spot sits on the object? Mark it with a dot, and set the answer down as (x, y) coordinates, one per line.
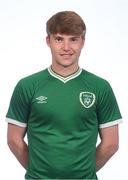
(23, 51)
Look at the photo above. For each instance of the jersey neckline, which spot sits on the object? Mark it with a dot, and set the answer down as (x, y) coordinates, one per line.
(64, 79)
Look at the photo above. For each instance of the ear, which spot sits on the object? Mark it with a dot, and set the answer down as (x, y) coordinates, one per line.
(48, 40)
(83, 42)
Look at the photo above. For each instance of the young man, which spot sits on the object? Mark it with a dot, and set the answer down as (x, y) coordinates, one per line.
(63, 109)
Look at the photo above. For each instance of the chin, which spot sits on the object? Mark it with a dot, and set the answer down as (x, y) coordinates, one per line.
(66, 64)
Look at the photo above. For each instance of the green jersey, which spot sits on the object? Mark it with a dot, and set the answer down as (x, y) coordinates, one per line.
(62, 116)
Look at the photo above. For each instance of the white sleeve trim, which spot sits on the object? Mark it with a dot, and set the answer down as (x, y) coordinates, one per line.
(18, 123)
(112, 123)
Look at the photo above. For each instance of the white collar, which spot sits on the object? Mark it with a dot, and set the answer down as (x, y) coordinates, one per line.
(64, 79)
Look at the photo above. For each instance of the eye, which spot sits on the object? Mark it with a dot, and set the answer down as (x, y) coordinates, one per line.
(74, 39)
(58, 39)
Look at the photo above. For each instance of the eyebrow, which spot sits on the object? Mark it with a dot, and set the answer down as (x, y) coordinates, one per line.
(70, 36)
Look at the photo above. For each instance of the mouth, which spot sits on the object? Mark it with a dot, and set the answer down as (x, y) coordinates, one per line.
(66, 55)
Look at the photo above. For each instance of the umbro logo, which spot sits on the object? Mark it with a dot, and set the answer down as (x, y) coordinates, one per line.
(41, 99)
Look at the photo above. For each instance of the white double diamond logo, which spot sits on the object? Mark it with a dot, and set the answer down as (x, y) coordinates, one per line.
(42, 99)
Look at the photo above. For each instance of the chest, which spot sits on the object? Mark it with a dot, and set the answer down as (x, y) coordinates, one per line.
(64, 105)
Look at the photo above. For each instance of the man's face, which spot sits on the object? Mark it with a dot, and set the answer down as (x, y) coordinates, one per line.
(65, 49)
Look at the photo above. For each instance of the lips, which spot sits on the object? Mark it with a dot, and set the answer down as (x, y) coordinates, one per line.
(66, 54)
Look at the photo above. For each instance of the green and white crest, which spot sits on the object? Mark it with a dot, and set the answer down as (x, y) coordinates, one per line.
(87, 99)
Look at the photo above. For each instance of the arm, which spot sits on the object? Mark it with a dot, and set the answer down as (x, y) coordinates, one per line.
(16, 143)
(108, 145)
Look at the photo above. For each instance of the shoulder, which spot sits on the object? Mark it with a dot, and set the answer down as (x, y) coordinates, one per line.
(34, 78)
(32, 81)
(95, 80)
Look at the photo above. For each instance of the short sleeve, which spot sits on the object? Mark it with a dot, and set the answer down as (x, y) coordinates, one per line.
(108, 112)
(19, 107)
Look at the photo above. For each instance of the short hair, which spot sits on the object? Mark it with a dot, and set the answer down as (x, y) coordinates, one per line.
(66, 22)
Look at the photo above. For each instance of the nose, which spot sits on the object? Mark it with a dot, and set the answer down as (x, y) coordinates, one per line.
(66, 45)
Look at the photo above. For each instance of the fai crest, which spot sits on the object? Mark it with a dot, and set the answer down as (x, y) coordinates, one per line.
(87, 99)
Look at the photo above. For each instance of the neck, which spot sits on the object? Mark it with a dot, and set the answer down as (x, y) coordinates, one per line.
(65, 70)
